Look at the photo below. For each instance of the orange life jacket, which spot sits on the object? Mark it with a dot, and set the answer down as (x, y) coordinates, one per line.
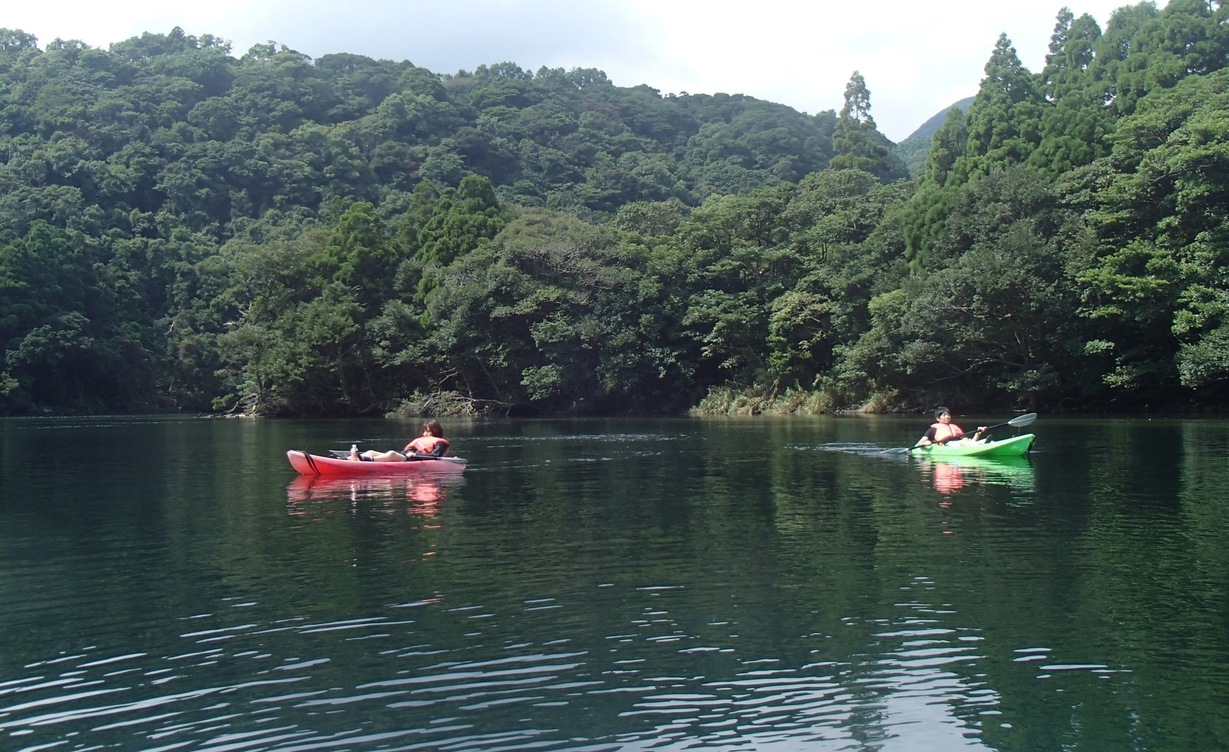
(946, 431)
(426, 445)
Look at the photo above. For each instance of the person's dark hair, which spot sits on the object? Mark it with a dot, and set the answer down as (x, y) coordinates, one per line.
(434, 428)
(940, 411)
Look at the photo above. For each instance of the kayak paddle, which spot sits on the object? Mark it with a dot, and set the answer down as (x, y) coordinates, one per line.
(1019, 421)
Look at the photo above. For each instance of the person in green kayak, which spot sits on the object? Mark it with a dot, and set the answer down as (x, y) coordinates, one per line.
(430, 443)
(944, 430)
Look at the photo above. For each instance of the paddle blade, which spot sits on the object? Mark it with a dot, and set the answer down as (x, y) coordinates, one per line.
(1022, 420)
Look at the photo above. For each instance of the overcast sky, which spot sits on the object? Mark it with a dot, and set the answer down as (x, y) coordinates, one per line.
(918, 58)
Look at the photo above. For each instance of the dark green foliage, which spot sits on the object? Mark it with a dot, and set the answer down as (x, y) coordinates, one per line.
(988, 319)
(157, 152)
(937, 187)
(65, 331)
(551, 315)
(446, 226)
(857, 143)
(1002, 124)
(915, 149)
(1075, 127)
(846, 253)
(1157, 267)
(185, 229)
(1140, 298)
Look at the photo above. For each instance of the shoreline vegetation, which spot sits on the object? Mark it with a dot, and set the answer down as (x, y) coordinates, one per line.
(726, 401)
(188, 229)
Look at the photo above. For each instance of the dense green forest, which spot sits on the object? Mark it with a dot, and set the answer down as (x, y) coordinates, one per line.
(184, 229)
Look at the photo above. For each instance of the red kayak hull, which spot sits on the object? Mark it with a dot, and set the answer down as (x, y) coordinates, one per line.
(314, 464)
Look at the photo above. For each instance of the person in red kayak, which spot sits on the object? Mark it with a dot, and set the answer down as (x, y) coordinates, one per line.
(430, 444)
(944, 430)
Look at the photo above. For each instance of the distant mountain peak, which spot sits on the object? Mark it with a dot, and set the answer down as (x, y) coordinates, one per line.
(914, 149)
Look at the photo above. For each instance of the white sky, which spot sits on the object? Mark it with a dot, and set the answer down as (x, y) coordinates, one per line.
(918, 58)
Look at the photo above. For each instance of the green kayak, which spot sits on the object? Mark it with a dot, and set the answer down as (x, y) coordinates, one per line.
(1016, 446)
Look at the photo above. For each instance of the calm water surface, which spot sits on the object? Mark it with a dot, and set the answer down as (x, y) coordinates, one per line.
(170, 584)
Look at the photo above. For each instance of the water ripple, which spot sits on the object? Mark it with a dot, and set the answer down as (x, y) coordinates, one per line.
(263, 686)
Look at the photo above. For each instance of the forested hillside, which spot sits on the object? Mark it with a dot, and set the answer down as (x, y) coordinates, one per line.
(185, 229)
(915, 148)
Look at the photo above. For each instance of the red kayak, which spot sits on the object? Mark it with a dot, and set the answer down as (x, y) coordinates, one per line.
(314, 464)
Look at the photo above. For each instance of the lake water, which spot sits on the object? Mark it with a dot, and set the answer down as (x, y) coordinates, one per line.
(758, 584)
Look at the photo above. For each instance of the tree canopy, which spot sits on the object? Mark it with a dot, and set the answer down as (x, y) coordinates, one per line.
(184, 229)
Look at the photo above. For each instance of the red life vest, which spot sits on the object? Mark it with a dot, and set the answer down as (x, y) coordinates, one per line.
(946, 431)
(426, 445)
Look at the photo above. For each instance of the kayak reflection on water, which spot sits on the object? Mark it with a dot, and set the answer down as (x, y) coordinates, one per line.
(951, 474)
(423, 493)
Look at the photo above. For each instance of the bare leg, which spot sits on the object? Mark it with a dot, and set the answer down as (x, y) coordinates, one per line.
(389, 456)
